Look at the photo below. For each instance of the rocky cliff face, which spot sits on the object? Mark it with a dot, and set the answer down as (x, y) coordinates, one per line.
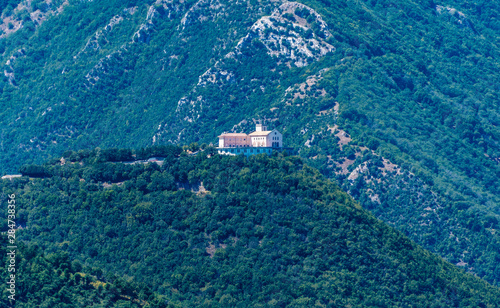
(456, 17)
(29, 14)
(287, 35)
(294, 35)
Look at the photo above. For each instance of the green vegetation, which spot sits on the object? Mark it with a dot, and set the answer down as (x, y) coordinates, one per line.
(416, 85)
(222, 231)
(53, 281)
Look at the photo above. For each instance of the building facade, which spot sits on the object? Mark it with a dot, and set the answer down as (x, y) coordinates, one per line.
(234, 140)
(262, 137)
(258, 142)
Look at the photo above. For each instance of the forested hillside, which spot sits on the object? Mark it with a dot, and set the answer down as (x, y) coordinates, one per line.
(212, 230)
(397, 101)
(53, 280)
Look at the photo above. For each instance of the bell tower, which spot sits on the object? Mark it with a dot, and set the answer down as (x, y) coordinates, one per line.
(260, 128)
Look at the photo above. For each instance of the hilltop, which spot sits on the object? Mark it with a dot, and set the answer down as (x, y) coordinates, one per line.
(262, 231)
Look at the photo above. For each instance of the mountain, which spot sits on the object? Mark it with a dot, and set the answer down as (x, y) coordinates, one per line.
(215, 230)
(396, 101)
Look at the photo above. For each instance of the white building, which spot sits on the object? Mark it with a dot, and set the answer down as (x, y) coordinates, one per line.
(260, 141)
(262, 137)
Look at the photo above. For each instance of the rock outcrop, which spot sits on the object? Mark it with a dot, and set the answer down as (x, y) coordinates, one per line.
(293, 35)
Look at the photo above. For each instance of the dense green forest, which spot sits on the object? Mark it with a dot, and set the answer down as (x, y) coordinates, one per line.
(212, 230)
(395, 101)
(54, 281)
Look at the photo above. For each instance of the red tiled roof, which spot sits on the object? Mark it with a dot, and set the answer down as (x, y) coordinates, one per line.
(233, 135)
(264, 133)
